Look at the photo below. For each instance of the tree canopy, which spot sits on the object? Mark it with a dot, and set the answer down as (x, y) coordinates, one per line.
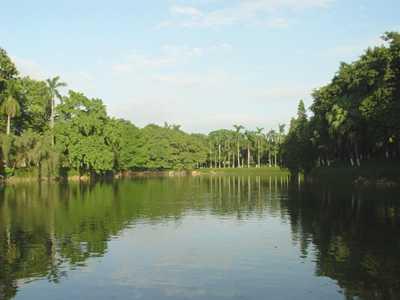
(77, 136)
(355, 118)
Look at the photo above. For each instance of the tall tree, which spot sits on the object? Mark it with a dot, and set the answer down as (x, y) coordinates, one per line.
(10, 106)
(238, 128)
(259, 131)
(8, 70)
(81, 134)
(54, 84)
(35, 107)
(249, 135)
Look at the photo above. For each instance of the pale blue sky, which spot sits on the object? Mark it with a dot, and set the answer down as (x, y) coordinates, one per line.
(204, 64)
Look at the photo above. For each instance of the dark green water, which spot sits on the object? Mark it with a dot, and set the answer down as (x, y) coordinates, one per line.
(198, 238)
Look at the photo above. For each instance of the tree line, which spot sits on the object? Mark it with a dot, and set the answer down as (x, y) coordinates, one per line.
(355, 118)
(48, 134)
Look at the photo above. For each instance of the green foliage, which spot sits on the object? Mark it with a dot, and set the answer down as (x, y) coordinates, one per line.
(31, 148)
(160, 148)
(80, 134)
(234, 148)
(7, 69)
(122, 137)
(6, 142)
(355, 117)
(10, 106)
(297, 150)
(78, 137)
(35, 108)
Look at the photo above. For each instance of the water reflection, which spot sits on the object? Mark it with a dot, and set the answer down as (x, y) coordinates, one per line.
(352, 237)
(356, 235)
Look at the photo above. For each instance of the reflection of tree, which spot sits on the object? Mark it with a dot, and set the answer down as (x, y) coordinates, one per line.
(26, 246)
(356, 238)
(244, 195)
(45, 228)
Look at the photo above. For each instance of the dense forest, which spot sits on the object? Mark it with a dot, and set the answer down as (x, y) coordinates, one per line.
(44, 133)
(354, 118)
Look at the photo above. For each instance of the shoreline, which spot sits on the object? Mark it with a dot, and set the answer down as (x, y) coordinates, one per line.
(365, 176)
(362, 177)
(145, 174)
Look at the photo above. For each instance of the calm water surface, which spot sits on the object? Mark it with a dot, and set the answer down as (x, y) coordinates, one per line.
(247, 237)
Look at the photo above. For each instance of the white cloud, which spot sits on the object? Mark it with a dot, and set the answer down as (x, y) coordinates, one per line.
(278, 23)
(206, 100)
(241, 12)
(354, 49)
(138, 61)
(77, 80)
(185, 10)
(170, 55)
(27, 67)
(176, 80)
(166, 87)
(182, 52)
(287, 92)
(204, 80)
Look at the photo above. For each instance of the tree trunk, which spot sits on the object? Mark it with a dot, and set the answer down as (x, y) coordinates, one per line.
(269, 158)
(8, 124)
(357, 156)
(52, 120)
(219, 156)
(248, 155)
(52, 114)
(210, 163)
(238, 155)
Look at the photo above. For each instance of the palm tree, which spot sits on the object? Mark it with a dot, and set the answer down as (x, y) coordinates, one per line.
(281, 135)
(249, 138)
(275, 141)
(10, 106)
(238, 128)
(259, 134)
(54, 84)
(271, 138)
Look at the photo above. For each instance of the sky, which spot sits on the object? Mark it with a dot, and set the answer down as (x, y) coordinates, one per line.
(203, 64)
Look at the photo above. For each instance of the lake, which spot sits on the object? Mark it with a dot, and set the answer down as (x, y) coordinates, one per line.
(211, 237)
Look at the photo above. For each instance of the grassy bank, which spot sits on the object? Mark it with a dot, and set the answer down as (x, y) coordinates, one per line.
(273, 171)
(33, 175)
